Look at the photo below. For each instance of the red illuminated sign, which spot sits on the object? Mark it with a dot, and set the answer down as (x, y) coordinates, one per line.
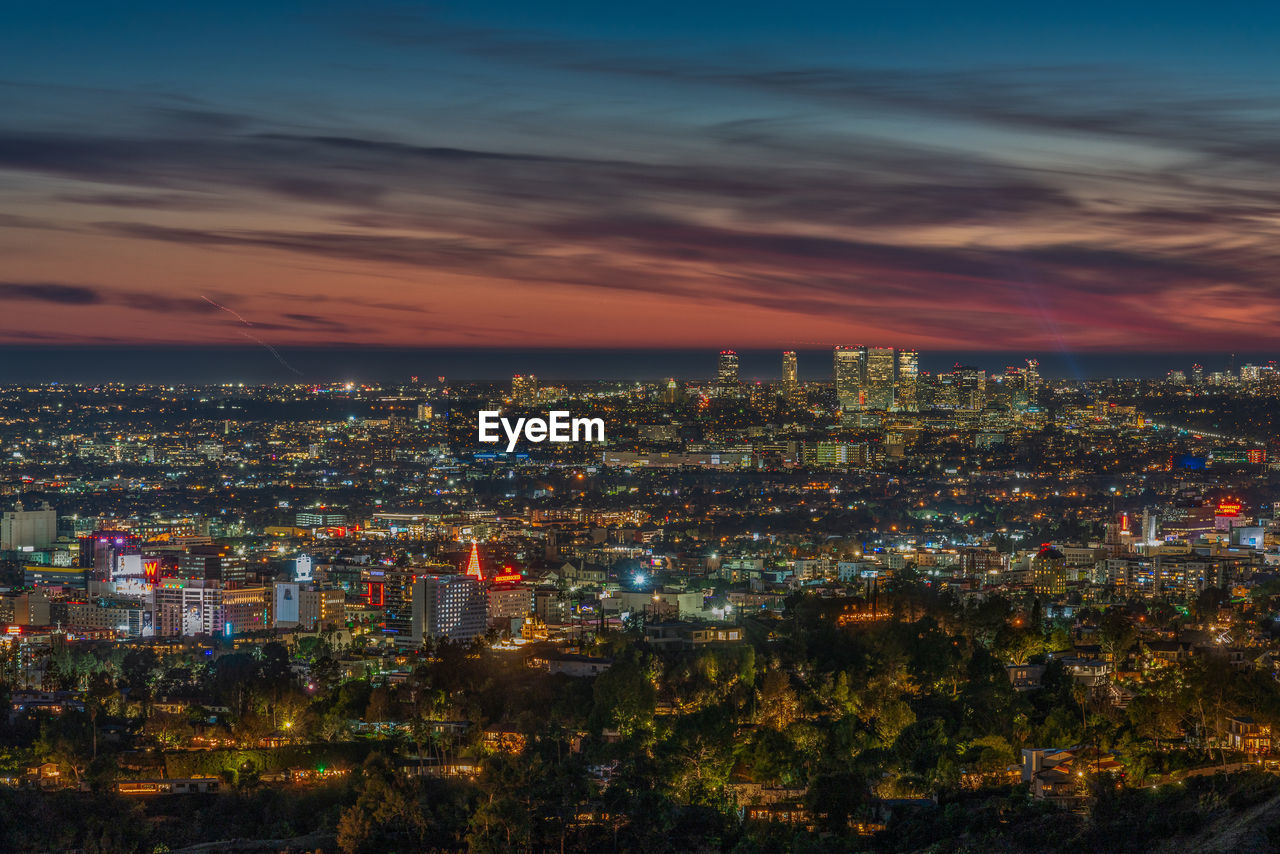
(508, 578)
(1229, 508)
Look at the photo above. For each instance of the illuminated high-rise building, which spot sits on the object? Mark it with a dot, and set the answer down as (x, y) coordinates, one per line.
(907, 395)
(971, 388)
(946, 393)
(850, 370)
(213, 563)
(446, 606)
(879, 378)
(1032, 376)
(1197, 375)
(790, 377)
(187, 607)
(397, 596)
(524, 389)
(672, 392)
(1049, 571)
(727, 369)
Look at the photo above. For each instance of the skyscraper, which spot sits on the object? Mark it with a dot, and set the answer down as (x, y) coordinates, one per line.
(849, 370)
(727, 369)
(447, 606)
(672, 392)
(971, 387)
(397, 593)
(946, 394)
(1033, 375)
(524, 389)
(1049, 571)
(879, 378)
(790, 378)
(908, 399)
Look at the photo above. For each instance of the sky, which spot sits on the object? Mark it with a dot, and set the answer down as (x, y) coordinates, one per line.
(1025, 177)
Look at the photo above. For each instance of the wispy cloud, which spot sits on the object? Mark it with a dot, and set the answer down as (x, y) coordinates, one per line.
(976, 206)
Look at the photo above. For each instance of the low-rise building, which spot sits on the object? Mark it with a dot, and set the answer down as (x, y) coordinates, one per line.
(1248, 735)
(1025, 677)
(679, 634)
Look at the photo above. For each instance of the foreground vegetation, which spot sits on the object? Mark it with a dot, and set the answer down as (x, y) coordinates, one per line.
(893, 734)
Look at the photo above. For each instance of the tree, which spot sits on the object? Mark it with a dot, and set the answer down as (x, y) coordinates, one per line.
(1208, 602)
(891, 719)
(393, 813)
(1157, 713)
(1116, 635)
(380, 706)
(67, 739)
(778, 705)
(624, 699)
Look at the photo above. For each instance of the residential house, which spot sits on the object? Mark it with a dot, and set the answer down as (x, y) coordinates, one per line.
(1248, 735)
(1025, 677)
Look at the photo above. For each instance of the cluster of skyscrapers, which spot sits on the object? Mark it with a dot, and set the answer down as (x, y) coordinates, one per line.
(876, 378)
(888, 379)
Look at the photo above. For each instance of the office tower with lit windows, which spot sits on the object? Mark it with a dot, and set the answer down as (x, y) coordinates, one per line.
(727, 369)
(971, 388)
(1032, 376)
(320, 517)
(447, 606)
(849, 371)
(1197, 375)
(184, 608)
(524, 389)
(945, 394)
(1049, 572)
(879, 378)
(790, 377)
(397, 592)
(213, 563)
(907, 398)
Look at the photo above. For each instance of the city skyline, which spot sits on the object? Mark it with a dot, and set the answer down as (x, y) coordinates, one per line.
(271, 175)
(253, 364)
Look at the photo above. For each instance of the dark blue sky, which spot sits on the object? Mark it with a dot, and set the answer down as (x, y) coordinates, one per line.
(1067, 178)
